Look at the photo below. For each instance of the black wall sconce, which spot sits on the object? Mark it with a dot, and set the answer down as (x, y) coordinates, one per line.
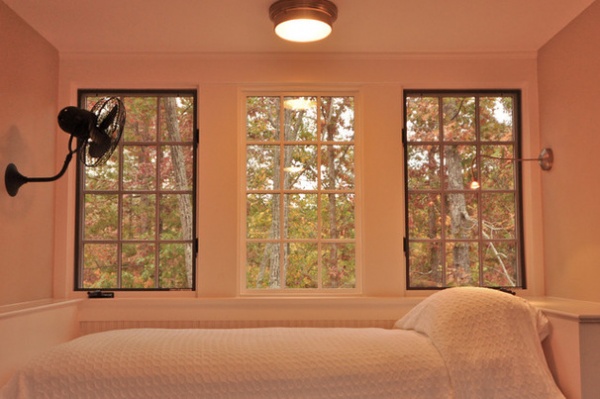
(94, 136)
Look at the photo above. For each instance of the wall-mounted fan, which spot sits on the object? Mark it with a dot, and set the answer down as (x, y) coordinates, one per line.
(94, 136)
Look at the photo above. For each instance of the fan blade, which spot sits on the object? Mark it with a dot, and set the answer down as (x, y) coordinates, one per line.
(109, 119)
(100, 143)
(106, 133)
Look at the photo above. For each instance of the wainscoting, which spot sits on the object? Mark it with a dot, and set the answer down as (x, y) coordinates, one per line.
(89, 327)
(29, 329)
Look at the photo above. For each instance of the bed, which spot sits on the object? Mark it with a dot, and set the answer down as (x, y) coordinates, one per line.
(458, 343)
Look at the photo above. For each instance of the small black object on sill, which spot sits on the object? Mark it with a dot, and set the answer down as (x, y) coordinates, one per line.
(100, 294)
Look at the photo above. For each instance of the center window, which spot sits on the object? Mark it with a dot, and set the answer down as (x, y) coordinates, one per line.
(300, 194)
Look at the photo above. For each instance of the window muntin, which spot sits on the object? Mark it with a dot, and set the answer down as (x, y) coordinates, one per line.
(136, 214)
(457, 235)
(300, 223)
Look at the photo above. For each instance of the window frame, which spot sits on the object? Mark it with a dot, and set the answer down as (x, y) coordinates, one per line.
(243, 290)
(79, 209)
(521, 269)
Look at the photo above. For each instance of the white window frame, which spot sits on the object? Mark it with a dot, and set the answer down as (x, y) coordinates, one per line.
(242, 144)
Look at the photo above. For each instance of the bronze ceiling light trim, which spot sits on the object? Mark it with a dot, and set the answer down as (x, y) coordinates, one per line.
(303, 20)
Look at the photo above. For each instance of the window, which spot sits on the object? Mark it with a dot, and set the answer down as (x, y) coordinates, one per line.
(457, 235)
(300, 224)
(136, 214)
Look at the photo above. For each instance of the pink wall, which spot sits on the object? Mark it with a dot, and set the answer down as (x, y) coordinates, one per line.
(569, 86)
(28, 90)
(377, 80)
(29, 84)
(30, 321)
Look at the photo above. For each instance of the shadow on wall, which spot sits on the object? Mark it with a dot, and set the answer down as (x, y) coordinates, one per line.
(13, 146)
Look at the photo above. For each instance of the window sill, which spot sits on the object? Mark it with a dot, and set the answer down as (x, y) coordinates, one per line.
(581, 311)
(24, 308)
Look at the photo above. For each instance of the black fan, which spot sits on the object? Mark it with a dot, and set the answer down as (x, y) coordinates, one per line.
(96, 132)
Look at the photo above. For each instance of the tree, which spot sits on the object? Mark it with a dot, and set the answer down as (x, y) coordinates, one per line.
(286, 160)
(466, 236)
(179, 163)
(138, 219)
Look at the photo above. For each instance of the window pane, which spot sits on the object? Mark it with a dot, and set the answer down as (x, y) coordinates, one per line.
(497, 167)
(300, 167)
(139, 168)
(496, 118)
(338, 262)
(302, 265)
(99, 266)
(337, 118)
(176, 167)
(498, 213)
(262, 216)
(139, 212)
(424, 216)
(500, 263)
(174, 266)
(138, 266)
(337, 215)
(141, 119)
(426, 260)
(423, 167)
(461, 220)
(262, 167)
(262, 118)
(104, 177)
(462, 264)
(337, 166)
(177, 119)
(262, 265)
(458, 166)
(459, 118)
(101, 217)
(176, 221)
(301, 221)
(422, 119)
(300, 115)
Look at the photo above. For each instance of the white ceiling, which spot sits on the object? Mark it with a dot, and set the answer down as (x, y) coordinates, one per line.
(377, 26)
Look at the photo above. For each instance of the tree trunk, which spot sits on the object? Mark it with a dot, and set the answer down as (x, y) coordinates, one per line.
(330, 128)
(433, 226)
(272, 254)
(180, 174)
(459, 218)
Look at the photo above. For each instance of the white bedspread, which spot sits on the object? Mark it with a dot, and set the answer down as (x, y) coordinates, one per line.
(460, 343)
(490, 341)
(246, 363)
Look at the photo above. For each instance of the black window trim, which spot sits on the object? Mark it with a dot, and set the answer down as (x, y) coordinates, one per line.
(518, 175)
(81, 93)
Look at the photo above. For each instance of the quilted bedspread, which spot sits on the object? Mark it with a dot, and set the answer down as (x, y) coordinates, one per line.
(435, 352)
(490, 341)
(245, 363)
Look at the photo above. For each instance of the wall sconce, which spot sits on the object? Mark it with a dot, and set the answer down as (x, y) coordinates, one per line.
(545, 160)
(303, 20)
(96, 132)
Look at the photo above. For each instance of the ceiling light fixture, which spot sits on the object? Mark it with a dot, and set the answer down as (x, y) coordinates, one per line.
(303, 20)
